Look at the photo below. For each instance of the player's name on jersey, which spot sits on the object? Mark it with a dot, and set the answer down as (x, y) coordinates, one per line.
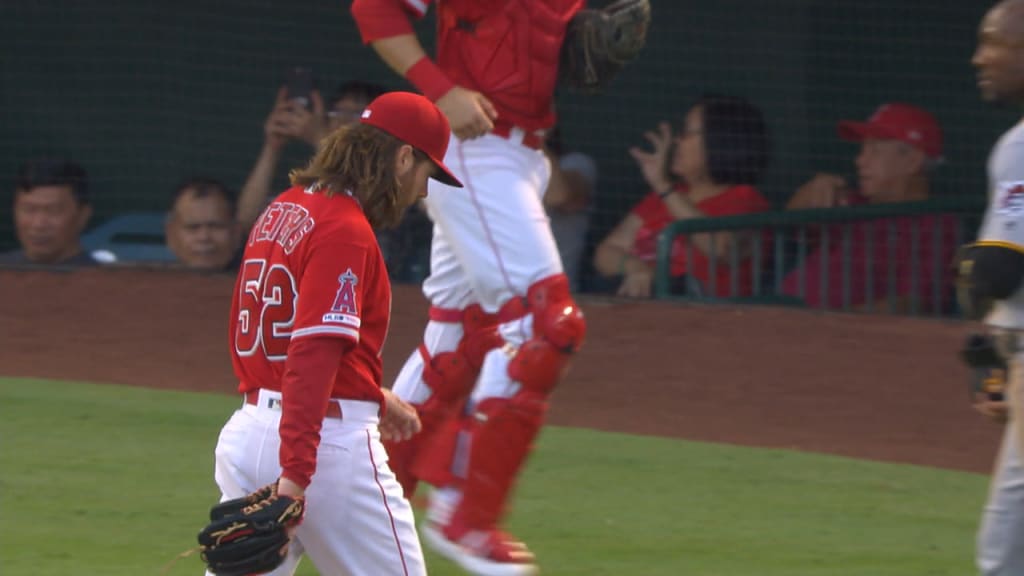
(282, 222)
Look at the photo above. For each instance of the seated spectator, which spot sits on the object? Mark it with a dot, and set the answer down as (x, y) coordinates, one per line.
(406, 248)
(900, 145)
(720, 154)
(51, 209)
(201, 228)
(289, 120)
(568, 202)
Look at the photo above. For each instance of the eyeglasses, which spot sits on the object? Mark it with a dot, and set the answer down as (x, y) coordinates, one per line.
(344, 113)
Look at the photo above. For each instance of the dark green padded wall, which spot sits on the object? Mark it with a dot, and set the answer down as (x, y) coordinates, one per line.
(144, 93)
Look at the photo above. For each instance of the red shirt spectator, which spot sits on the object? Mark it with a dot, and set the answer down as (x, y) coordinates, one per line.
(900, 145)
(891, 242)
(720, 151)
(655, 216)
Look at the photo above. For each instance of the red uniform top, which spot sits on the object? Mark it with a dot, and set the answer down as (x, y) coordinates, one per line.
(312, 275)
(891, 250)
(655, 216)
(507, 50)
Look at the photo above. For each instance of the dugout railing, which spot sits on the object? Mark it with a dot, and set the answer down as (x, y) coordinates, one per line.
(778, 244)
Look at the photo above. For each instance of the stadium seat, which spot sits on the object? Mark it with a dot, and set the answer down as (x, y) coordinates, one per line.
(131, 237)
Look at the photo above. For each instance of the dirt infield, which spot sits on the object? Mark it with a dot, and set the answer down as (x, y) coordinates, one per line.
(868, 387)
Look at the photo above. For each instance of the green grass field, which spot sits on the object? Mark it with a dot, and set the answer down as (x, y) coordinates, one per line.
(111, 480)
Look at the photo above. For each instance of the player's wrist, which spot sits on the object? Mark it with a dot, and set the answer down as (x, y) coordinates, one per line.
(288, 487)
(428, 78)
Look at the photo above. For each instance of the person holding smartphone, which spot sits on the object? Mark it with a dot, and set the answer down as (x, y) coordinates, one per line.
(299, 114)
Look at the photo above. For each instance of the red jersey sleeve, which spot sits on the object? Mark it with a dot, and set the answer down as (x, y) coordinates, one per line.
(378, 19)
(331, 296)
(305, 391)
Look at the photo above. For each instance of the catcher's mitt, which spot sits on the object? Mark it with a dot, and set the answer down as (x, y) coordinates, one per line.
(987, 381)
(599, 42)
(250, 535)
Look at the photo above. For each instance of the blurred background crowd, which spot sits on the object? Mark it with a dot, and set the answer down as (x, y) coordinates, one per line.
(799, 152)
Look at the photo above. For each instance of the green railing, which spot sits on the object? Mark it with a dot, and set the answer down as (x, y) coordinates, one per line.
(793, 229)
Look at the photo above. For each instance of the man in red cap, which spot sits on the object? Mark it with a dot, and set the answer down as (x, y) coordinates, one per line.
(900, 145)
(309, 316)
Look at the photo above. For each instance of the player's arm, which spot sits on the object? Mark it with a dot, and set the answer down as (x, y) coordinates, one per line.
(987, 271)
(308, 377)
(992, 268)
(325, 328)
(385, 26)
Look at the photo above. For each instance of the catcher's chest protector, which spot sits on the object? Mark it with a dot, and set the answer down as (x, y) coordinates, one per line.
(508, 49)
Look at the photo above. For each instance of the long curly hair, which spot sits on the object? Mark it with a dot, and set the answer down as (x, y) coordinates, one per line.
(360, 159)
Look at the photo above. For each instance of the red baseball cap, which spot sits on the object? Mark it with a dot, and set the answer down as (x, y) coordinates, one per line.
(416, 121)
(896, 121)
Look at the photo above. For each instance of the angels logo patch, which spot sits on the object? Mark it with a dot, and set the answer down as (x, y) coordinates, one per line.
(1010, 198)
(345, 309)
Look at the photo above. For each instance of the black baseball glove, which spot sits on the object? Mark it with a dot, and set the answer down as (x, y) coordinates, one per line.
(250, 535)
(987, 381)
(599, 42)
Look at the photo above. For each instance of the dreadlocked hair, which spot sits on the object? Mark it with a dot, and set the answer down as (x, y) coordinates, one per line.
(360, 159)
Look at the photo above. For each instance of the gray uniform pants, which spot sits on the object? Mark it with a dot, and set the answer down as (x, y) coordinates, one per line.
(1000, 546)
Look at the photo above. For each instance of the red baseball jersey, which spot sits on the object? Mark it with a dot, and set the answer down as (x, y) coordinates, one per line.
(311, 269)
(506, 49)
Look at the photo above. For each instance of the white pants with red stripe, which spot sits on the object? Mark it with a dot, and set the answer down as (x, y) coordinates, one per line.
(492, 240)
(357, 521)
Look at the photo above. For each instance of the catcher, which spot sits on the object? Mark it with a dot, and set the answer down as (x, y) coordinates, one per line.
(503, 323)
(310, 313)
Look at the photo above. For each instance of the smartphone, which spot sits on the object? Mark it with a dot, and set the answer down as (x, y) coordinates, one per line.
(300, 86)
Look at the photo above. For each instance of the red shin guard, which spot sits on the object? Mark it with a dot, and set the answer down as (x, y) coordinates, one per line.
(503, 431)
(403, 456)
(434, 463)
(451, 377)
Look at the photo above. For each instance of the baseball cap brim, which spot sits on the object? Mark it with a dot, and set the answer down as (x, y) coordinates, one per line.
(858, 131)
(444, 175)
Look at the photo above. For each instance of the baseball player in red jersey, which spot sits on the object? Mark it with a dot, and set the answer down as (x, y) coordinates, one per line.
(503, 324)
(309, 318)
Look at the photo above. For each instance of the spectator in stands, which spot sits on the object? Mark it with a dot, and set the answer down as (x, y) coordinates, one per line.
(568, 202)
(290, 120)
(900, 146)
(406, 247)
(201, 228)
(720, 153)
(51, 209)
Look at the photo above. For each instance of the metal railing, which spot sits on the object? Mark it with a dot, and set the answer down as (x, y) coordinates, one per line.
(780, 243)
